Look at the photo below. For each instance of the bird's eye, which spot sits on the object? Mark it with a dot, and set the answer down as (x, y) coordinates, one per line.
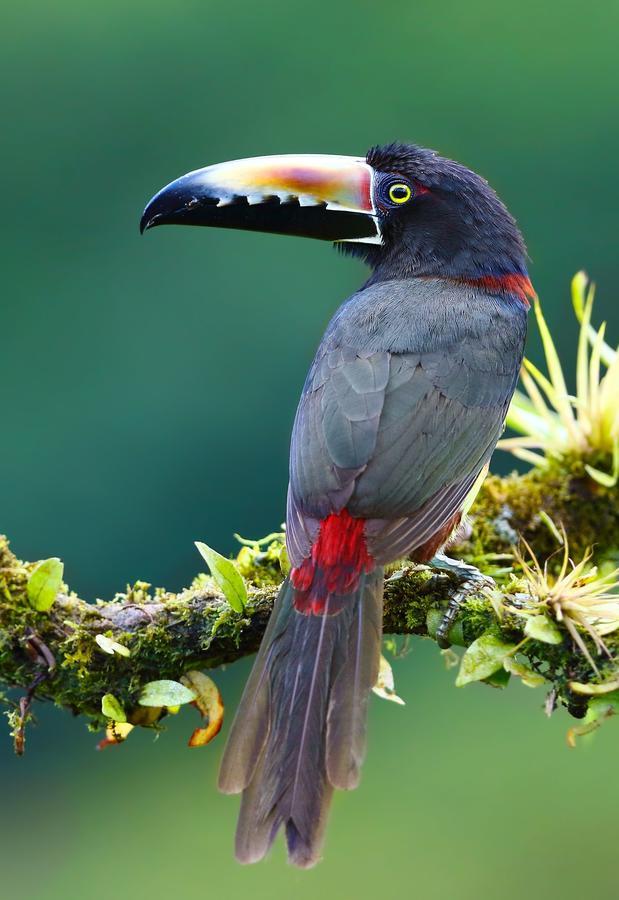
(399, 193)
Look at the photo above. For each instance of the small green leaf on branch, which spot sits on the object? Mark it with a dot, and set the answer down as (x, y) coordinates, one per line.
(226, 575)
(112, 708)
(165, 693)
(483, 658)
(541, 628)
(524, 672)
(44, 584)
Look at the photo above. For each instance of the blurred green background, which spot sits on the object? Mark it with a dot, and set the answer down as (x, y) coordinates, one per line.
(149, 386)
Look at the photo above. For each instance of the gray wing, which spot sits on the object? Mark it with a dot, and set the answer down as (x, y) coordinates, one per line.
(333, 438)
(397, 438)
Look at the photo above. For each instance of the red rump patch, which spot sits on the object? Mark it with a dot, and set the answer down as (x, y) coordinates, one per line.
(339, 557)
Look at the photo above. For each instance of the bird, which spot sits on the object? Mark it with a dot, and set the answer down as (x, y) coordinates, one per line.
(400, 412)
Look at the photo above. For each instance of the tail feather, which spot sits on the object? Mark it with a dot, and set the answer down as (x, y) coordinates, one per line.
(251, 724)
(300, 729)
(348, 703)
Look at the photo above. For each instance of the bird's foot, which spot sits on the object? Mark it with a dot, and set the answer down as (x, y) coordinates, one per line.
(471, 582)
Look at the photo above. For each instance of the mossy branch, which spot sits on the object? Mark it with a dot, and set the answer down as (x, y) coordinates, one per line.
(54, 655)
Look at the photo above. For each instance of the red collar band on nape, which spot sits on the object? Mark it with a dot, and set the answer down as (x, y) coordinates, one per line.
(518, 285)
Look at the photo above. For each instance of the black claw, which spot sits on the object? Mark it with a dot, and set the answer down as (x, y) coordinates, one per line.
(443, 642)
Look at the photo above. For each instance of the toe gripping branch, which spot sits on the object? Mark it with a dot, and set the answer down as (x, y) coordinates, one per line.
(471, 581)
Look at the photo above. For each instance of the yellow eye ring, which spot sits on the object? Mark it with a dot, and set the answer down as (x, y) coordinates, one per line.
(399, 193)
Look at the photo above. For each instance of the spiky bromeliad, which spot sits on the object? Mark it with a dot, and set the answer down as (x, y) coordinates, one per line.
(400, 412)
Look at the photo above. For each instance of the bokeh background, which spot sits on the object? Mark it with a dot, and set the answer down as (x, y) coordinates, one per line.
(149, 384)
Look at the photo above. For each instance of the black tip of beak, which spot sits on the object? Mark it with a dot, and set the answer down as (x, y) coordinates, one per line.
(146, 222)
(150, 219)
(174, 203)
(151, 214)
(154, 215)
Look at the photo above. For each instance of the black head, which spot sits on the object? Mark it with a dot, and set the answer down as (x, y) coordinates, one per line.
(437, 218)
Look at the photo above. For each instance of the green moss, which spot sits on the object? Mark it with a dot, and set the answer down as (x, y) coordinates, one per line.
(196, 629)
(478, 618)
(263, 565)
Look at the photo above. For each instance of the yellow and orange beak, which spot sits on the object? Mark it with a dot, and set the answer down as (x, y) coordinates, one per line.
(325, 197)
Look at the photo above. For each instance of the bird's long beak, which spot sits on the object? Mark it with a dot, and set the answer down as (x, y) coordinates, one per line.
(326, 197)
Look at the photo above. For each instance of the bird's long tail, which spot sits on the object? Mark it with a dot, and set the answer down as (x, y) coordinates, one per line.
(300, 730)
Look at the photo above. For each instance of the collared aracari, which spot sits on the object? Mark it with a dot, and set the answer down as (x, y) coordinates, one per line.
(399, 415)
